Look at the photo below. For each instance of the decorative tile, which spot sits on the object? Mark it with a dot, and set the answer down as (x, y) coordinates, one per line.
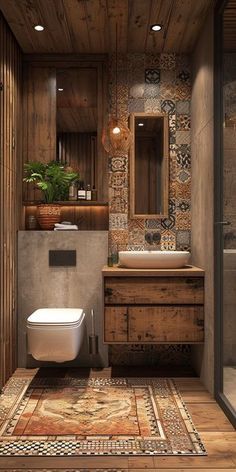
(183, 156)
(183, 122)
(172, 206)
(137, 91)
(118, 180)
(136, 237)
(183, 240)
(168, 241)
(152, 61)
(184, 76)
(118, 200)
(182, 91)
(136, 105)
(152, 76)
(183, 176)
(119, 237)
(183, 137)
(181, 190)
(183, 107)
(118, 221)
(136, 224)
(168, 77)
(183, 220)
(167, 91)
(135, 247)
(118, 164)
(168, 106)
(151, 91)
(167, 61)
(168, 223)
(152, 105)
(153, 224)
(172, 129)
(184, 205)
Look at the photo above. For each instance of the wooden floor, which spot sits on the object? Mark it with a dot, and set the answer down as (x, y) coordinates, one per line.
(216, 432)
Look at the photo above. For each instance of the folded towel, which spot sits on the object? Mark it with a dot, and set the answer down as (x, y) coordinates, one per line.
(66, 227)
(63, 223)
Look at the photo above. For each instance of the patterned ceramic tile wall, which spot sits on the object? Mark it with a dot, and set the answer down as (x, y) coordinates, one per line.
(148, 83)
(153, 83)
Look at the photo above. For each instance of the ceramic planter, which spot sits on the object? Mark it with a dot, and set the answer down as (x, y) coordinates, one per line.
(48, 215)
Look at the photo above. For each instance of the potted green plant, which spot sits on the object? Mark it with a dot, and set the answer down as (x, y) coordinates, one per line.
(53, 179)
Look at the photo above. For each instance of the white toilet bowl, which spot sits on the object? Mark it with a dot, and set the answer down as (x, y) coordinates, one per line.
(55, 334)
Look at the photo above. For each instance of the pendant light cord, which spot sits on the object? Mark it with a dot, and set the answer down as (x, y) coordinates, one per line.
(116, 73)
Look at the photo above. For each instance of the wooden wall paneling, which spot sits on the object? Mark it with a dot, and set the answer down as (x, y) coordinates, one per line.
(10, 162)
(102, 161)
(39, 126)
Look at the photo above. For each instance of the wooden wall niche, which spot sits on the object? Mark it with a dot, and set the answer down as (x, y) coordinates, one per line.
(10, 194)
(66, 124)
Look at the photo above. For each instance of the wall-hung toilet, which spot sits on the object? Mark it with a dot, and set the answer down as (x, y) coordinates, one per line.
(55, 334)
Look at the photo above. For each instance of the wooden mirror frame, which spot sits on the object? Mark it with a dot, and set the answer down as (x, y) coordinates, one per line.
(165, 168)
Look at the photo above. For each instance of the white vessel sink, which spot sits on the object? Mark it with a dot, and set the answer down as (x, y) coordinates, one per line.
(154, 259)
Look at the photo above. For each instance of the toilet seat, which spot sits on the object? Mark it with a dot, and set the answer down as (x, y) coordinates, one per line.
(55, 334)
(70, 317)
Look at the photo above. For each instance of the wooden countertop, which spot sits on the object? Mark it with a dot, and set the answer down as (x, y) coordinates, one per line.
(116, 271)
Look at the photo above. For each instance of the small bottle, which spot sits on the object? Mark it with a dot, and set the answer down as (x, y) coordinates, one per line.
(88, 193)
(81, 191)
(94, 194)
(73, 191)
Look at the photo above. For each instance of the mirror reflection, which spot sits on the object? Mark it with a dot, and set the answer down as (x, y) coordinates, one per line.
(149, 165)
(77, 121)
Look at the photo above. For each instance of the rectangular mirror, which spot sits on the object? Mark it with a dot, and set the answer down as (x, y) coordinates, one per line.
(149, 166)
(76, 122)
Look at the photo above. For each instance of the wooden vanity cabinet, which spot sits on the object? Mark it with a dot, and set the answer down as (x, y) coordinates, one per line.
(151, 307)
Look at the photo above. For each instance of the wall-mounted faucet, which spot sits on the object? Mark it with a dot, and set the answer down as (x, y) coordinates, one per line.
(152, 238)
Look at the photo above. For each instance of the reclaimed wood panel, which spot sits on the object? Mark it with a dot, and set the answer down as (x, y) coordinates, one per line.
(163, 324)
(154, 290)
(90, 26)
(115, 324)
(10, 193)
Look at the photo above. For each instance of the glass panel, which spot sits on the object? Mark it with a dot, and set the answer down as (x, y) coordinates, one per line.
(229, 213)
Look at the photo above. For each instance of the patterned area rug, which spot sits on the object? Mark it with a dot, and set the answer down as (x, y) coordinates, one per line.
(97, 416)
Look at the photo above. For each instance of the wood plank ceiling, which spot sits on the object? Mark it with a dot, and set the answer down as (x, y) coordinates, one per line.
(88, 26)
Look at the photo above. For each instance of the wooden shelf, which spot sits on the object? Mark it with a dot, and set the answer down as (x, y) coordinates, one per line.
(72, 203)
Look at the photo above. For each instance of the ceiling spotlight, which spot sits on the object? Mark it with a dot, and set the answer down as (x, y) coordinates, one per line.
(39, 28)
(140, 124)
(156, 27)
(60, 89)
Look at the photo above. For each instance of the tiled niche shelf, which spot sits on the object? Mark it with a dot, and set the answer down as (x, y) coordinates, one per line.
(88, 215)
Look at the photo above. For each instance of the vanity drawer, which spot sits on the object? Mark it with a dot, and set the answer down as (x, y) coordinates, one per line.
(154, 290)
(166, 324)
(116, 324)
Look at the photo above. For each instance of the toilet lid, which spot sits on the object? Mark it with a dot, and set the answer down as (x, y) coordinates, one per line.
(55, 316)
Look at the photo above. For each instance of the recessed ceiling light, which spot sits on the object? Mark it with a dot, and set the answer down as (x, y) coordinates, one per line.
(155, 27)
(60, 89)
(39, 28)
(140, 124)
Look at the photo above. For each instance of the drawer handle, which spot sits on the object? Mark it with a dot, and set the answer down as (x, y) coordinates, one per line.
(200, 322)
(108, 292)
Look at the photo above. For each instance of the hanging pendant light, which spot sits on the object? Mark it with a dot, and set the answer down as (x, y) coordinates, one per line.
(116, 136)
